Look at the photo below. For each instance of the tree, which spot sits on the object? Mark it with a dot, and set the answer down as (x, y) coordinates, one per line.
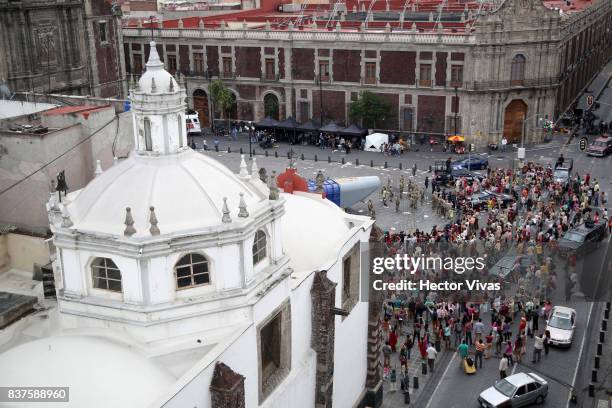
(369, 110)
(223, 98)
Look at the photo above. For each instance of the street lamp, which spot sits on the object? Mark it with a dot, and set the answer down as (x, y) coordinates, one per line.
(251, 129)
(210, 98)
(320, 99)
(456, 108)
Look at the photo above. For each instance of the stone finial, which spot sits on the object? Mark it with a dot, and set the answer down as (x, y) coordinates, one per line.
(201, 24)
(244, 172)
(354, 8)
(273, 187)
(338, 26)
(66, 221)
(313, 26)
(154, 230)
(242, 213)
(115, 160)
(129, 223)
(244, 25)
(153, 86)
(414, 27)
(268, 26)
(413, 7)
(362, 27)
(98, 169)
(180, 23)
(363, 6)
(226, 212)
(387, 6)
(462, 19)
(254, 170)
(171, 86)
(387, 27)
(319, 180)
(139, 23)
(222, 25)
(263, 175)
(440, 28)
(431, 16)
(290, 26)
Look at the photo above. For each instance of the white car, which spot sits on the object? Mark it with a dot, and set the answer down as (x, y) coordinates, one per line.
(518, 390)
(192, 121)
(561, 325)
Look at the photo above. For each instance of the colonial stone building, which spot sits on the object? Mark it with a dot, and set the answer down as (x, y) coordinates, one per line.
(482, 70)
(71, 46)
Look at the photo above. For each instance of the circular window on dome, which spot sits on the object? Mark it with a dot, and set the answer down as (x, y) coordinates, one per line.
(192, 270)
(106, 275)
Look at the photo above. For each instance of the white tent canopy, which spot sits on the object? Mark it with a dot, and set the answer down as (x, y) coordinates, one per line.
(374, 141)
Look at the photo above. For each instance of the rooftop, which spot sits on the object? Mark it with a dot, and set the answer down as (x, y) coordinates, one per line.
(450, 16)
(13, 109)
(81, 109)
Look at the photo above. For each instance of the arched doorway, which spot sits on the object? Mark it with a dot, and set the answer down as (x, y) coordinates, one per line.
(200, 105)
(515, 113)
(271, 106)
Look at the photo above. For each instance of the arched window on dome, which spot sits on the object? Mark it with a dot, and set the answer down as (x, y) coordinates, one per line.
(147, 133)
(180, 130)
(259, 247)
(106, 275)
(192, 270)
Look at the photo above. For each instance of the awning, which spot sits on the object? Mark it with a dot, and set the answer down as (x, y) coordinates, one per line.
(289, 123)
(310, 126)
(268, 122)
(331, 128)
(456, 138)
(354, 130)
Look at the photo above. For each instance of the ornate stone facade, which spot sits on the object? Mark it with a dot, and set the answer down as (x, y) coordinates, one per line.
(436, 81)
(72, 47)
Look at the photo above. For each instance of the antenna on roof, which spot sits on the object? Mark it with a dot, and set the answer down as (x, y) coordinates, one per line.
(151, 22)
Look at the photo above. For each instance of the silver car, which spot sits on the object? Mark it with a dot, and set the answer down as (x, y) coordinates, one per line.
(561, 325)
(518, 390)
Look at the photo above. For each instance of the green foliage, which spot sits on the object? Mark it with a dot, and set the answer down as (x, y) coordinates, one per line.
(223, 98)
(369, 110)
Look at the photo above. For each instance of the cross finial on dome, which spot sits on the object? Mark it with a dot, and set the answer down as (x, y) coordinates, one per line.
(242, 213)
(154, 230)
(129, 223)
(226, 212)
(154, 61)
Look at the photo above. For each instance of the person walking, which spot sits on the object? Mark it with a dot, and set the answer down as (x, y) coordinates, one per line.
(480, 348)
(431, 356)
(478, 330)
(489, 345)
(393, 381)
(387, 354)
(503, 367)
(546, 342)
(538, 345)
(507, 352)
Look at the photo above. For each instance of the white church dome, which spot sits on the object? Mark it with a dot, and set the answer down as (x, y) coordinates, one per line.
(186, 189)
(313, 231)
(98, 372)
(155, 74)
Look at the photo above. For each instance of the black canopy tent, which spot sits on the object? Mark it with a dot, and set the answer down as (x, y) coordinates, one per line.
(353, 130)
(289, 125)
(267, 122)
(331, 127)
(310, 126)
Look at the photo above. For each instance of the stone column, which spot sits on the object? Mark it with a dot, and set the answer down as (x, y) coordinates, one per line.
(323, 295)
(226, 388)
(374, 389)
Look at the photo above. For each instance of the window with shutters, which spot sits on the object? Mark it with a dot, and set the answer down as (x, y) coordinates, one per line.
(456, 76)
(425, 74)
(274, 350)
(517, 70)
(370, 73)
(198, 62)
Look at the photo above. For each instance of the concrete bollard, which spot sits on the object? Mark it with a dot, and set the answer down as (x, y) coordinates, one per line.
(594, 376)
(343, 160)
(216, 148)
(406, 397)
(415, 383)
(328, 159)
(241, 150)
(424, 368)
(302, 156)
(386, 165)
(229, 149)
(608, 304)
(289, 155)
(254, 152)
(400, 166)
(607, 314)
(599, 349)
(430, 168)
(604, 325)
(371, 163)
(597, 362)
(602, 336)
(276, 154)
(316, 158)
(591, 390)
(356, 162)
(266, 153)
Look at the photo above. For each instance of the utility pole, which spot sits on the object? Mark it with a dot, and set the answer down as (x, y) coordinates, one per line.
(320, 99)
(456, 108)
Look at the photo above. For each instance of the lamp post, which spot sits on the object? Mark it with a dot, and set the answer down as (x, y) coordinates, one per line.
(456, 107)
(320, 99)
(210, 97)
(251, 128)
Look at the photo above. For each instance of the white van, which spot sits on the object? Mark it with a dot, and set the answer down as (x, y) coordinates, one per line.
(192, 120)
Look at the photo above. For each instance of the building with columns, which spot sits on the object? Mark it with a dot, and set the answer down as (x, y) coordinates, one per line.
(182, 284)
(482, 69)
(68, 47)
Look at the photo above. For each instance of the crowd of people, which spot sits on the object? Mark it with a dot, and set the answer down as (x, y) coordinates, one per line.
(484, 323)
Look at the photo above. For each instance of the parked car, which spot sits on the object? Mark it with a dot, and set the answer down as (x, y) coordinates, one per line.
(444, 177)
(563, 171)
(517, 390)
(480, 199)
(472, 163)
(601, 147)
(193, 123)
(561, 325)
(582, 238)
